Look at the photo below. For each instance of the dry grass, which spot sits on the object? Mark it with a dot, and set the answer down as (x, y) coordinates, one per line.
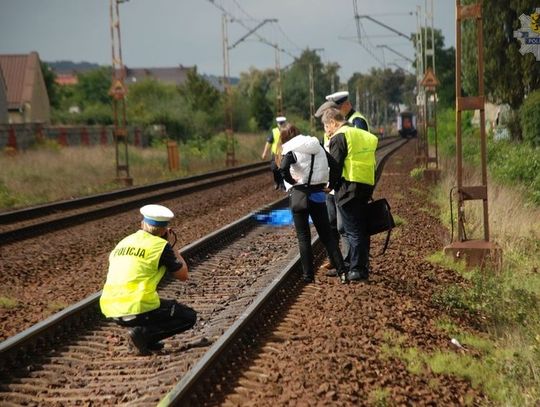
(50, 173)
(514, 225)
(509, 371)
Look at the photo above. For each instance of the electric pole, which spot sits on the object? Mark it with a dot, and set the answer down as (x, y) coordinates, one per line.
(279, 94)
(118, 92)
(230, 154)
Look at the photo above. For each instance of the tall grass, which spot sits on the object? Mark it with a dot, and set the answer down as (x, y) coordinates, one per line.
(507, 301)
(49, 172)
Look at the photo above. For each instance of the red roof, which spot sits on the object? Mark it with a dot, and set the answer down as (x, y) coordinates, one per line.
(18, 74)
(65, 79)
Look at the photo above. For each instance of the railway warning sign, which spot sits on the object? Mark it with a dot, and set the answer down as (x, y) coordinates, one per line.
(117, 90)
(430, 80)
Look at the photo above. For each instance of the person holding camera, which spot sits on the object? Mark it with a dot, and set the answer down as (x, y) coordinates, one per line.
(136, 266)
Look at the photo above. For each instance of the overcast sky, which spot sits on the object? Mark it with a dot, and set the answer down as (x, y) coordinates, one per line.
(159, 33)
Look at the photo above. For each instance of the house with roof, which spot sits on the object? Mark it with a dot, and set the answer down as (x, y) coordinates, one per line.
(176, 75)
(27, 99)
(3, 100)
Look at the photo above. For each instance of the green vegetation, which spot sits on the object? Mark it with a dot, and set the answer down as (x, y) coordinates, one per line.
(505, 375)
(530, 118)
(50, 173)
(504, 360)
(380, 397)
(398, 220)
(7, 303)
(417, 173)
(509, 162)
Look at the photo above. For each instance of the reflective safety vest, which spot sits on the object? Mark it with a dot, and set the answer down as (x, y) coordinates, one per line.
(355, 115)
(359, 163)
(133, 276)
(276, 133)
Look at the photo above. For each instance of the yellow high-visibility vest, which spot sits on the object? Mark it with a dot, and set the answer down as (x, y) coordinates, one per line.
(360, 115)
(276, 134)
(133, 276)
(359, 163)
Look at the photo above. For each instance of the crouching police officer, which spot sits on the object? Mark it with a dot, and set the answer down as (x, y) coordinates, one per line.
(136, 266)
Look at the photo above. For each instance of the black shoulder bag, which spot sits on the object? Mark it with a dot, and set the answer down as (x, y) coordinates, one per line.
(380, 219)
(298, 196)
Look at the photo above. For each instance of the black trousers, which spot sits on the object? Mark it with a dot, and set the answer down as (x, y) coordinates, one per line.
(169, 319)
(278, 179)
(319, 216)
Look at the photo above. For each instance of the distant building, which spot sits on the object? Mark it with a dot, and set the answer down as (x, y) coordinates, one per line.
(170, 76)
(27, 97)
(3, 100)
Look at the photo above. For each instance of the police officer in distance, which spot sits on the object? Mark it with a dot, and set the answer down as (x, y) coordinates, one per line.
(136, 266)
(354, 151)
(272, 142)
(356, 119)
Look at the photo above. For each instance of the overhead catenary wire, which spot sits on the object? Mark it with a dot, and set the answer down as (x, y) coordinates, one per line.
(363, 39)
(232, 18)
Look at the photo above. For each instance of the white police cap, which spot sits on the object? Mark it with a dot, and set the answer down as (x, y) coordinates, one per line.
(156, 215)
(338, 97)
(281, 119)
(325, 106)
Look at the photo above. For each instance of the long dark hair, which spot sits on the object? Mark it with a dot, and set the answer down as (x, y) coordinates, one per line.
(287, 133)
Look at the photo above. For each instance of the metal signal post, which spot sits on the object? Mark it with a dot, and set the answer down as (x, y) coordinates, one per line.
(475, 252)
(118, 92)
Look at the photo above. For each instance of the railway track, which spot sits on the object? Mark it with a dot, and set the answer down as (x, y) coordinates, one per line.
(242, 275)
(25, 223)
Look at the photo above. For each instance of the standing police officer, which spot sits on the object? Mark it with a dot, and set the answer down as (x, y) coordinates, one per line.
(136, 266)
(356, 119)
(272, 142)
(354, 151)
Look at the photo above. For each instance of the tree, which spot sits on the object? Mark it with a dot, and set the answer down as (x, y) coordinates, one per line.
(445, 68)
(52, 88)
(199, 93)
(508, 75)
(257, 87)
(93, 87)
(260, 108)
(296, 83)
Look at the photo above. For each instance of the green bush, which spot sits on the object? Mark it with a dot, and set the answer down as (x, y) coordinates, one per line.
(530, 118)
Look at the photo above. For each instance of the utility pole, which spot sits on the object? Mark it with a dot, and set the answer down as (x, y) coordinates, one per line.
(279, 94)
(230, 160)
(420, 99)
(429, 83)
(118, 92)
(311, 100)
(230, 154)
(312, 95)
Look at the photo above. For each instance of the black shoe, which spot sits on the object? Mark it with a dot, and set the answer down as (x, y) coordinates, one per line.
(136, 342)
(331, 273)
(357, 276)
(308, 279)
(156, 346)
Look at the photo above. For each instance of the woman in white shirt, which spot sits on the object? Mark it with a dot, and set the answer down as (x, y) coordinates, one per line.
(303, 164)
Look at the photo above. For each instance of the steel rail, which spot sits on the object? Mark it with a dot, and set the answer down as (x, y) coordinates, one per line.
(21, 345)
(27, 344)
(154, 193)
(190, 388)
(55, 207)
